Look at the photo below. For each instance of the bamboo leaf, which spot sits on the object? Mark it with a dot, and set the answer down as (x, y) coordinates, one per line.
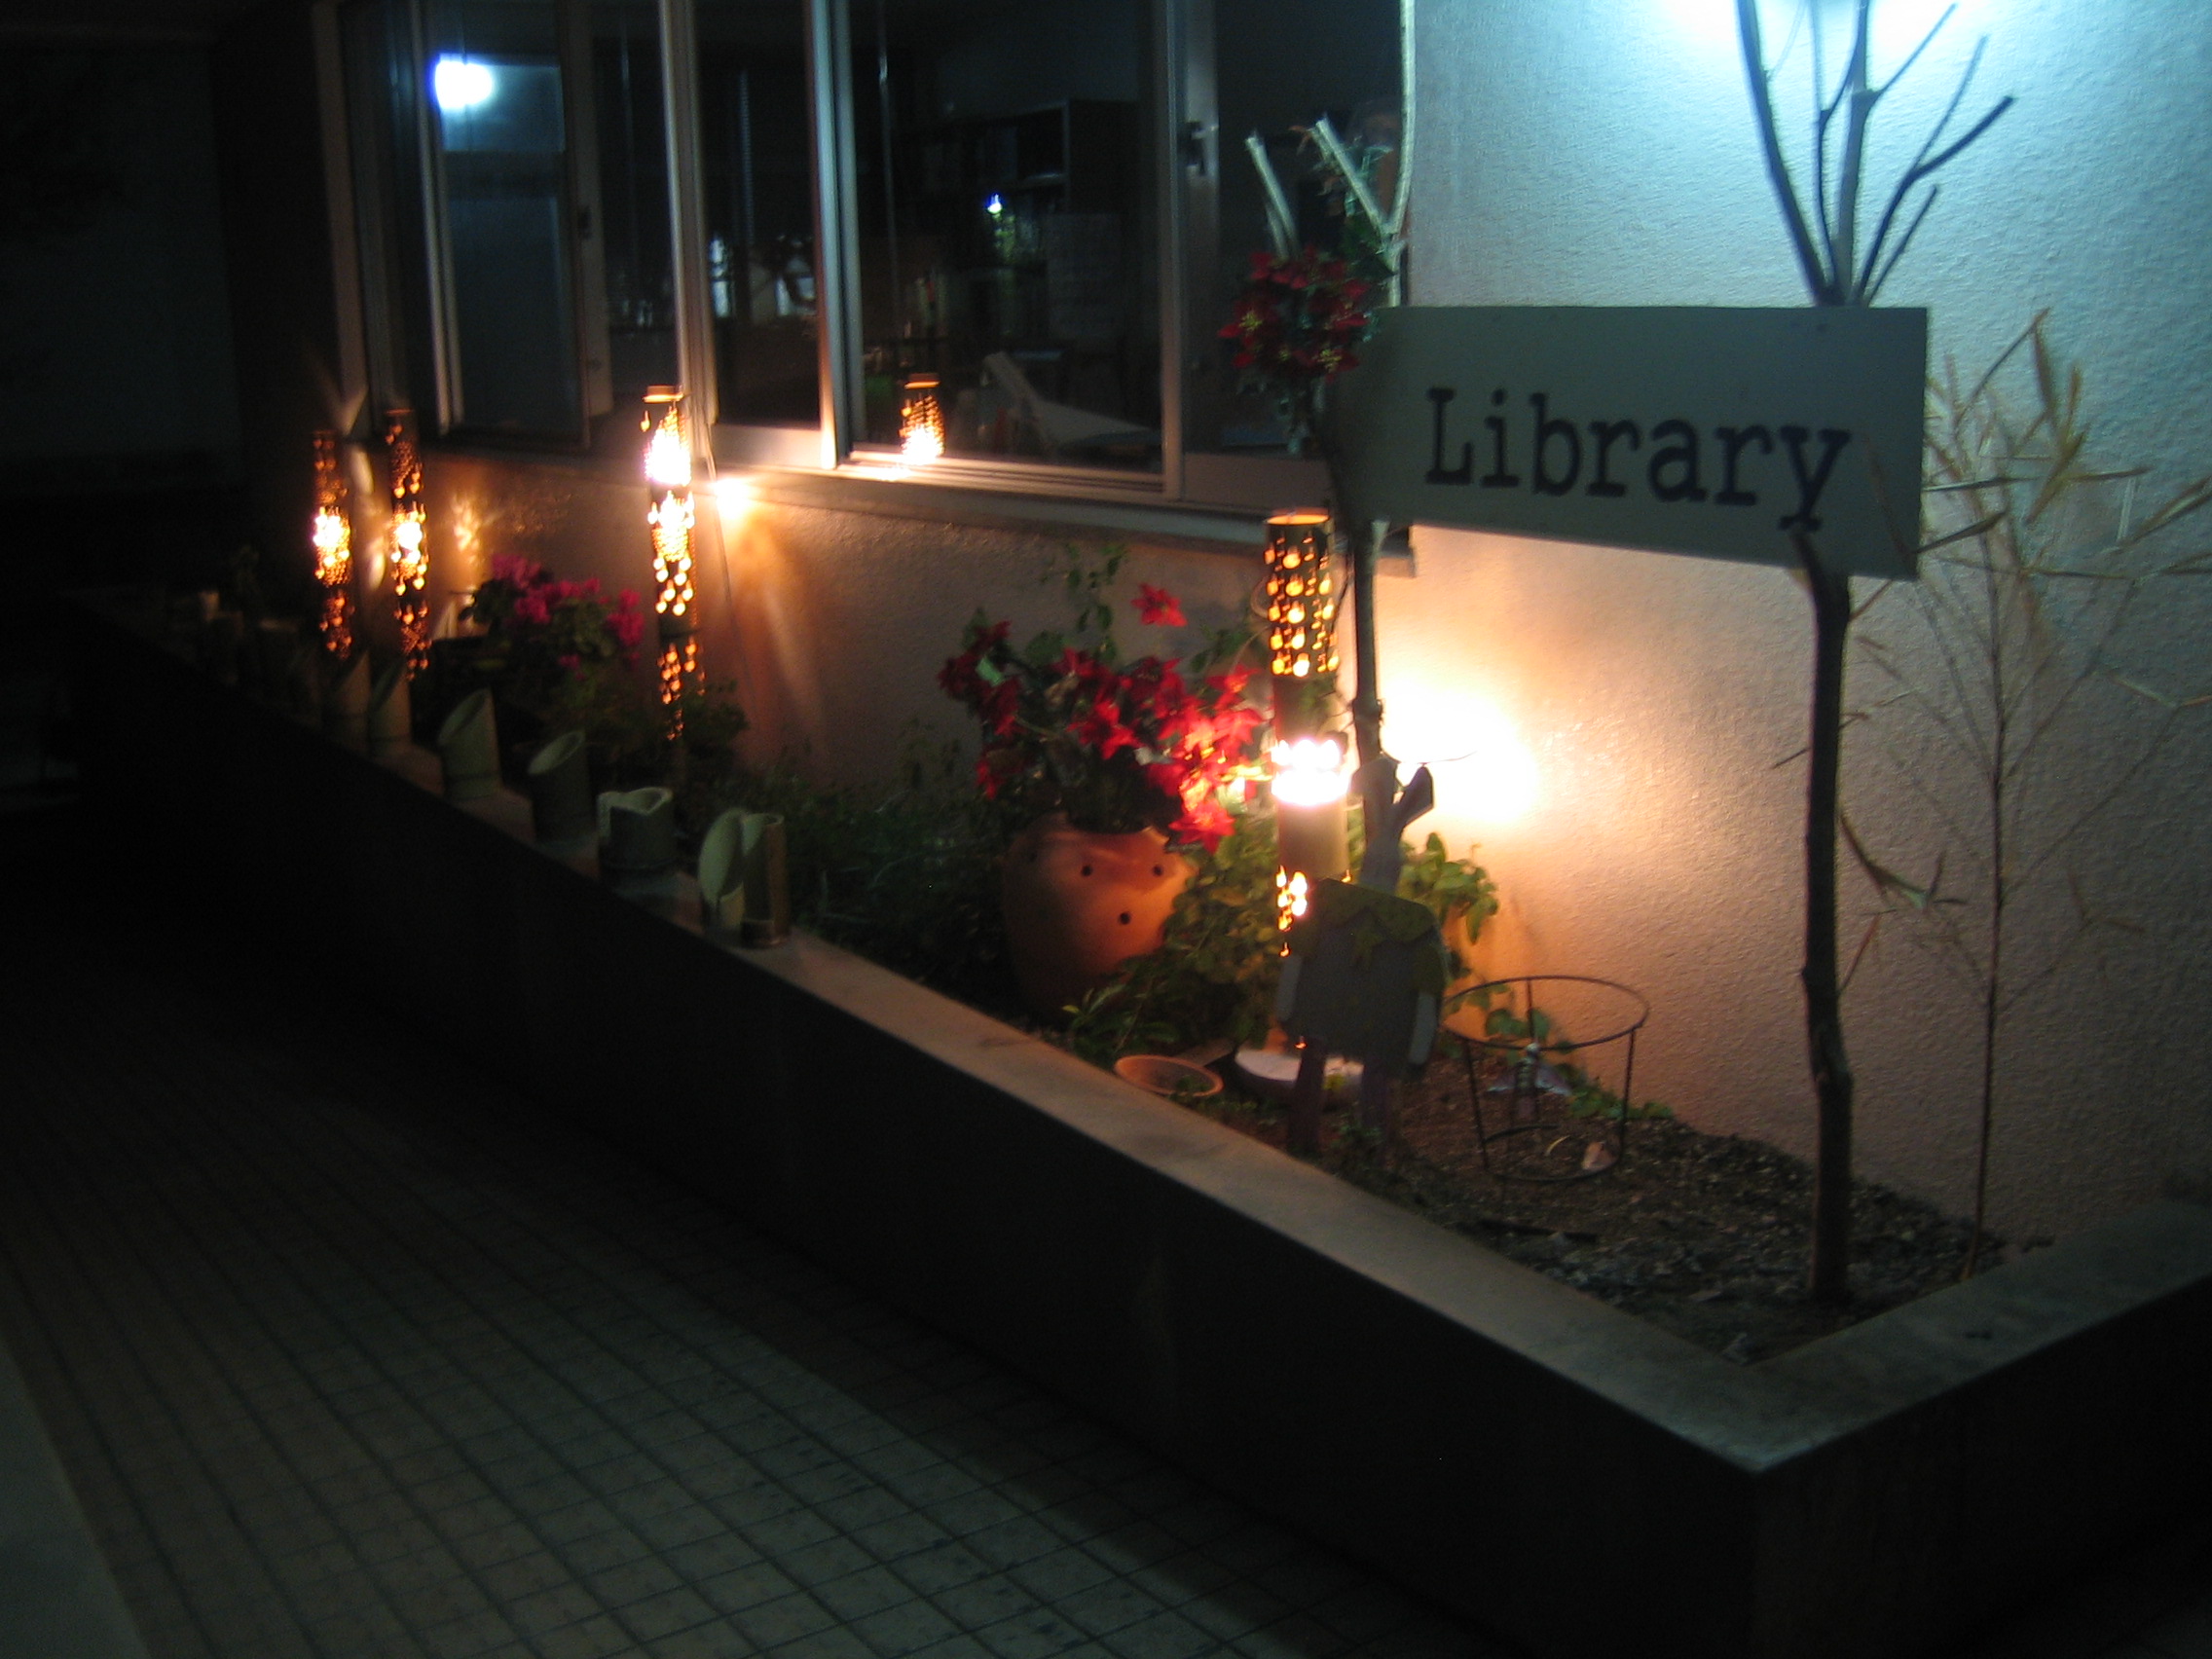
(1886, 881)
(1866, 946)
(1980, 525)
(2149, 693)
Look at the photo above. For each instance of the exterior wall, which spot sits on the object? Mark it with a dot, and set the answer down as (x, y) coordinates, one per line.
(841, 620)
(1601, 151)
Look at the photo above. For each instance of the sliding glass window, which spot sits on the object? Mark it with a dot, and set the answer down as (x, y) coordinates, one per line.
(500, 143)
(1007, 212)
(756, 171)
(628, 263)
(954, 208)
(1265, 74)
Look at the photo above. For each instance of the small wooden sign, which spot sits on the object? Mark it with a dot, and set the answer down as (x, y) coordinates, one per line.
(1708, 431)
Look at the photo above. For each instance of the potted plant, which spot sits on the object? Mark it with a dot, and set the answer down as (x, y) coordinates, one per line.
(1115, 765)
(558, 655)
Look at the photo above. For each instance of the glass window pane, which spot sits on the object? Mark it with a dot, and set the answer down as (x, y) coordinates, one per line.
(1006, 170)
(1280, 66)
(756, 141)
(495, 85)
(629, 251)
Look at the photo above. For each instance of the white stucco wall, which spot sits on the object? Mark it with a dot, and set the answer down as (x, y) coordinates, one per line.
(1601, 151)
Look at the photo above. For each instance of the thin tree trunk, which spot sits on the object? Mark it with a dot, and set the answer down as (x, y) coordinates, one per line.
(1303, 1132)
(2000, 764)
(1357, 537)
(1367, 696)
(1830, 1280)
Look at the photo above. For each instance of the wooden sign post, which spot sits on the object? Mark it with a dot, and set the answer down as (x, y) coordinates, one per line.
(1787, 437)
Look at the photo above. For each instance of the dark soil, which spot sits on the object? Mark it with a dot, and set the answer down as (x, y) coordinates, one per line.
(1703, 1235)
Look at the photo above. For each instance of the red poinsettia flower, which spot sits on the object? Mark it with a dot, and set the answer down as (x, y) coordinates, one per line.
(1116, 746)
(1157, 608)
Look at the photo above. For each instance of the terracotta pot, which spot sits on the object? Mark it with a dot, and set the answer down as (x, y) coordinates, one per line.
(1078, 904)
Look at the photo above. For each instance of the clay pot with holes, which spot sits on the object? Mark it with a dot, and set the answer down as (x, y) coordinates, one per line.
(1078, 904)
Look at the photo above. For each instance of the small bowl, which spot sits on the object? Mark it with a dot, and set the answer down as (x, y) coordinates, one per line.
(1176, 1080)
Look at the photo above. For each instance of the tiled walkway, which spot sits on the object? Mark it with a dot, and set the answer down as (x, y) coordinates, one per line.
(348, 1355)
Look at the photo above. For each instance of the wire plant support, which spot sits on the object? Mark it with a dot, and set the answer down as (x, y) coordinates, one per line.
(1544, 1110)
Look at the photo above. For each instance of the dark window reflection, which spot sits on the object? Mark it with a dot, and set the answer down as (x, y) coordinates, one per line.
(497, 91)
(758, 149)
(635, 258)
(1279, 65)
(1007, 243)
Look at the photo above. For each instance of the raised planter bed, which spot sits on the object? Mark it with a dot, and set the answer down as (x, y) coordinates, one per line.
(1569, 1477)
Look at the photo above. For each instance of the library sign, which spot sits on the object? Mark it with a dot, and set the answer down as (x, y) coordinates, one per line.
(1717, 431)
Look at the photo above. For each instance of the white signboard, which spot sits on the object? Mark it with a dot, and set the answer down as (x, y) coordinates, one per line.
(1713, 430)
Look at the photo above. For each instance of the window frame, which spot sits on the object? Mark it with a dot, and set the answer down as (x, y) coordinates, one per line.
(1188, 152)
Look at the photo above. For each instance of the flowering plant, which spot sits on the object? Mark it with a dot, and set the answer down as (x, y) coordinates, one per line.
(543, 630)
(1295, 324)
(1118, 747)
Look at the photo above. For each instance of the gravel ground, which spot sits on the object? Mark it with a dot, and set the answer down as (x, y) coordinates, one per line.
(1703, 1235)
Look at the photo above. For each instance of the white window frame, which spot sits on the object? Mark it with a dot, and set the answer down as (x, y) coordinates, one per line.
(1195, 489)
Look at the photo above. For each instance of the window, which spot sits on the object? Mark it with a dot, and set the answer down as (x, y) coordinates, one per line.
(1008, 227)
(756, 168)
(1012, 228)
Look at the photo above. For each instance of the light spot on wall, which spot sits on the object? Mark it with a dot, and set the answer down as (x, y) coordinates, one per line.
(1486, 773)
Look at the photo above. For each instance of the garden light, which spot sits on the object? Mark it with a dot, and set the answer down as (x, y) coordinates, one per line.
(410, 551)
(333, 538)
(668, 469)
(1308, 776)
(1302, 597)
(921, 421)
(1308, 783)
(1308, 771)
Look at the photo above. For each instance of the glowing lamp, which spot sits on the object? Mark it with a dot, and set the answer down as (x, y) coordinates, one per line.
(1302, 597)
(1308, 783)
(333, 538)
(921, 421)
(408, 557)
(672, 519)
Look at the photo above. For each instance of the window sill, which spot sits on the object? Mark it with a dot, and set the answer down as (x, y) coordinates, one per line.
(1095, 514)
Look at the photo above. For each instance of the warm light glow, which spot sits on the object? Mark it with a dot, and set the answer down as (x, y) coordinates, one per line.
(1485, 772)
(1308, 772)
(1302, 597)
(921, 422)
(668, 458)
(1290, 898)
(409, 559)
(679, 672)
(333, 538)
(733, 494)
(668, 468)
(460, 83)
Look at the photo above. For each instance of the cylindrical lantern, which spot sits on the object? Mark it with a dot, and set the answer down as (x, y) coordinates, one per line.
(921, 421)
(333, 538)
(1307, 775)
(1302, 601)
(408, 560)
(668, 471)
(1307, 781)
